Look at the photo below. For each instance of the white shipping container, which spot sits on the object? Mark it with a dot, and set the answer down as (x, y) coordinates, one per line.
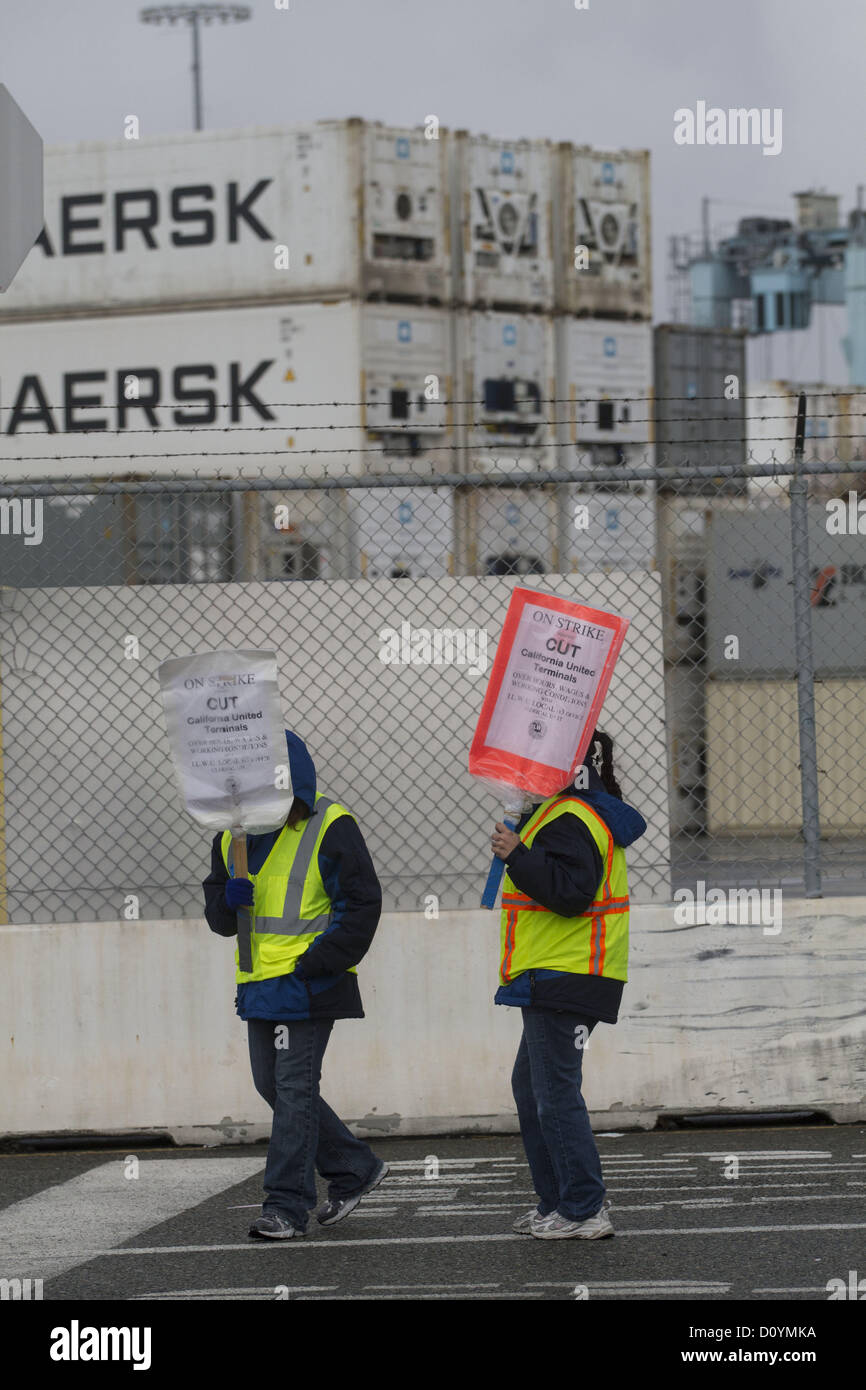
(602, 248)
(505, 387)
(609, 530)
(241, 392)
(403, 533)
(309, 211)
(502, 236)
(516, 531)
(834, 429)
(604, 382)
(302, 536)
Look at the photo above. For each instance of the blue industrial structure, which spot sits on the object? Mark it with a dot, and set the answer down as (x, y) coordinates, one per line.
(772, 274)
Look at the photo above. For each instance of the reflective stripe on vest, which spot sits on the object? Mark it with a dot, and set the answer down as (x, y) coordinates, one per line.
(278, 941)
(594, 943)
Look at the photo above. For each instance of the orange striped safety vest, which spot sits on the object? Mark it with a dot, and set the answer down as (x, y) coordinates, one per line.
(596, 943)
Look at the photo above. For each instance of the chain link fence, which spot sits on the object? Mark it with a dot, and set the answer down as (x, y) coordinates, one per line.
(383, 592)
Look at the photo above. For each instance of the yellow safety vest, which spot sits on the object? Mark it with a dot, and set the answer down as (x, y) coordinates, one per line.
(290, 906)
(595, 943)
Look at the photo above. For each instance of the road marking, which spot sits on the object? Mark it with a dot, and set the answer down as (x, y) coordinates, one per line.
(432, 1286)
(266, 1291)
(821, 1288)
(371, 1297)
(325, 1243)
(451, 1162)
(59, 1227)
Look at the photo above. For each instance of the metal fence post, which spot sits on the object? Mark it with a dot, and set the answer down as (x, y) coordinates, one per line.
(798, 493)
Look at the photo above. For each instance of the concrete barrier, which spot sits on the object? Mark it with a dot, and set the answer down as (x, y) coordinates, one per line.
(116, 1026)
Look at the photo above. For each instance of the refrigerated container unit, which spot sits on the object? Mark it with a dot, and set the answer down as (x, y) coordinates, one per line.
(302, 535)
(698, 419)
(604, 530)
(602, 250)
(604, 405)
(502, 235)
(516, 531)
(505, 371)
(834, 432)
(304, 390)
(320, 210)
(403, 533)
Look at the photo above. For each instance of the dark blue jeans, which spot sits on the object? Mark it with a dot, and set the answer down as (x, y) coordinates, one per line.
(554, 1125)
(306, 1136)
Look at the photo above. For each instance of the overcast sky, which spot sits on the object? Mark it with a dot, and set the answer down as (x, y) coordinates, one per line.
(610, 76)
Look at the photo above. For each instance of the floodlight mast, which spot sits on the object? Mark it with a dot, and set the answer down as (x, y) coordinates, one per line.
(195, 16)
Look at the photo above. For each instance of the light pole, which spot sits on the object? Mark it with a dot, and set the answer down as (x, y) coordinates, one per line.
(195, 15)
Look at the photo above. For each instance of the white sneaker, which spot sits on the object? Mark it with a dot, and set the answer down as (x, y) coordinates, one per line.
(556, 1227)
(524, 1225)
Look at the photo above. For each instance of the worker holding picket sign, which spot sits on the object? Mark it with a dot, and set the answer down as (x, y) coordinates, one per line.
(564, 920)
(292, 878)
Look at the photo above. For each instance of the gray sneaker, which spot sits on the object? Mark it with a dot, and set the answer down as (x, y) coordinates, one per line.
(274, 1227)
(336, 1208)
(556, 1227)
(524, 1224)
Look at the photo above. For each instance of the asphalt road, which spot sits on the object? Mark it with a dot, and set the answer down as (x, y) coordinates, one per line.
(754, 1214)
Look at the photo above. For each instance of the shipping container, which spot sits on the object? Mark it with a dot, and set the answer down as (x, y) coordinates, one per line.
(609, 530)
(505, 383)
(602, 250)
(87, 540)
(750, 593)
(604, 383)
(502, 236)
(753, 758)
(515, 531)
(403, 533)
(700, 386)
(682, 550)
(685, 701)
(299, 212)
(304, 390)
(835, 423)
(560, 528)
(300, 535)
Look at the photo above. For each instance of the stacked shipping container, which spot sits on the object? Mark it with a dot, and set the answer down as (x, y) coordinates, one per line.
(305, 301)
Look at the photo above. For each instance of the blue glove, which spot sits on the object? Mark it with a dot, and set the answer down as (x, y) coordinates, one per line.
(239, 893)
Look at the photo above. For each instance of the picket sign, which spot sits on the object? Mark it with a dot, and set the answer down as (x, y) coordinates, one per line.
(228, 743)
(545, 692)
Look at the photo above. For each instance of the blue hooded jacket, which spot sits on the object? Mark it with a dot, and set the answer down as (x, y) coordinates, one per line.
(321, 984)
(562, 870)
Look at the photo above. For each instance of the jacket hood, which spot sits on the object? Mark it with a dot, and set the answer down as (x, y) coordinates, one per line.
(302, 769)
(624, 823)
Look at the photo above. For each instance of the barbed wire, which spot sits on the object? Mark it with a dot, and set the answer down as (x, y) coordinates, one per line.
(641, 398)
(424, 427)
(384, 452)
(730, 442)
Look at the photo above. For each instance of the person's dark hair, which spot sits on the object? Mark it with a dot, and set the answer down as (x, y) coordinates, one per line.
(298, 811)
(604, 742)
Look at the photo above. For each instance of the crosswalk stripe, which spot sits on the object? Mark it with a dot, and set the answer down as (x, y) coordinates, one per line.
(64, 1226)
(330, 1244)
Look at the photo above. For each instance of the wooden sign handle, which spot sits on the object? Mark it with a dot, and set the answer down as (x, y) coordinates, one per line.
(239, 855)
